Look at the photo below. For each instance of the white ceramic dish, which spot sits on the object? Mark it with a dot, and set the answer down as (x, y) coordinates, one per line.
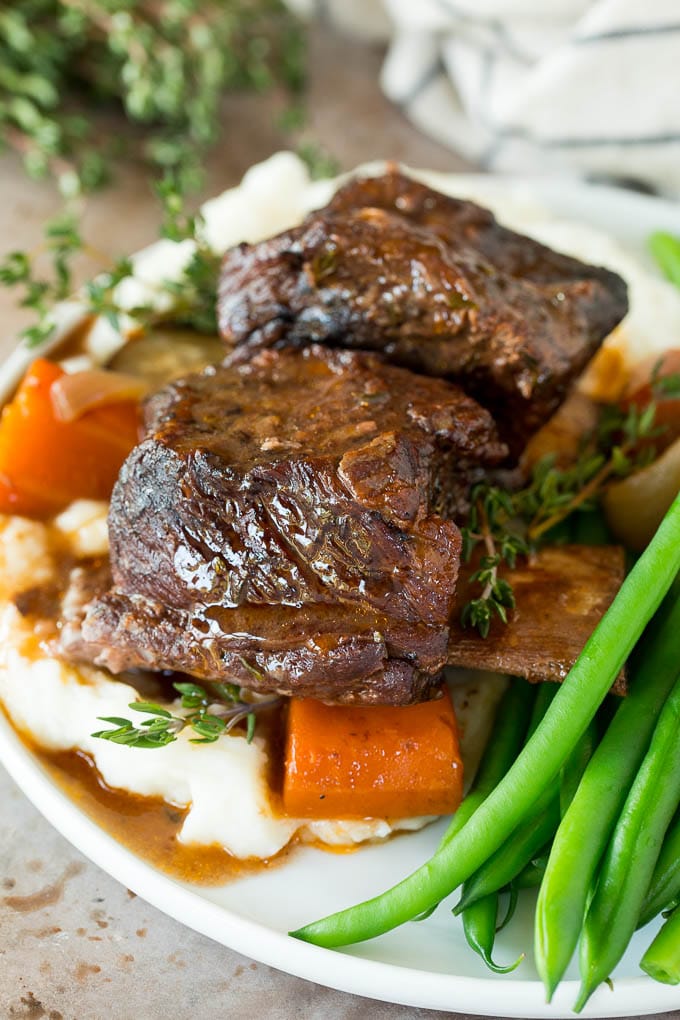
(425, 964)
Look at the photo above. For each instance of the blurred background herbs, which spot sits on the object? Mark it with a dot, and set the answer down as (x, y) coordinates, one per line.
(166, 65)
(295, 87)
(66, 64)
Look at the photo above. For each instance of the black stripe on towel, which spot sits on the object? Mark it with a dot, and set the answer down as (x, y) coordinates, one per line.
(515, 134)
(626, 33)
(494, 25)
(434, 71)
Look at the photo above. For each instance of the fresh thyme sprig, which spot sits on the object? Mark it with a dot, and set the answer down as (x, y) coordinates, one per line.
(61, 243)
(664, 387)
(165, 65)
(211, 712)
(491, 510)
(193, 293)
(509, 524)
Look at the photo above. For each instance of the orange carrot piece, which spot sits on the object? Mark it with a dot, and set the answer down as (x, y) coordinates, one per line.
(371, 762)
(46, 463)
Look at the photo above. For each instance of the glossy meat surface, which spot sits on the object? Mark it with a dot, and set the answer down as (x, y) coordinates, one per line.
(437, 285)
(281, 525)
(331, 652)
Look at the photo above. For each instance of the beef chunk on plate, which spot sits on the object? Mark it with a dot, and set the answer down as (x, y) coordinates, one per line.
(284, 521)
(561, 593)
(437, 285)
(335, 653)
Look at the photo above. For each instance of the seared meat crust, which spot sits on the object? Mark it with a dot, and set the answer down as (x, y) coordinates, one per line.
(282, 521)
(324, 652)
(437, 285)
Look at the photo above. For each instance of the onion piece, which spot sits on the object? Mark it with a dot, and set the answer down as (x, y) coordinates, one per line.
(635, 506)
(163, 354)
(74, 394)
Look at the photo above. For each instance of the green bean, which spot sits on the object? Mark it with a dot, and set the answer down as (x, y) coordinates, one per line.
(666, 250)
(513, 899)
(544, 699)
(532, 874)
(665, 885)
(479, 925)
(586, 827)
(632, 853)
(537, 765)
(508, 732)
(575, 766)
(662, 959)
(509, 860)
(503, 866)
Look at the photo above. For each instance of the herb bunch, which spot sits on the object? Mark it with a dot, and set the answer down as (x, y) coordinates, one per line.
(210, 712)
(193, 295)
(165, 64)
(507, 524)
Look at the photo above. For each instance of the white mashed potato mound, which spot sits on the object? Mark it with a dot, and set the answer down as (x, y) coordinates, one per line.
(84, 526)
(58, 705)
(25, 558)
(224, 784)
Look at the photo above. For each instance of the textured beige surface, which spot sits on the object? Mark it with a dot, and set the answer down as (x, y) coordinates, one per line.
(95, 952)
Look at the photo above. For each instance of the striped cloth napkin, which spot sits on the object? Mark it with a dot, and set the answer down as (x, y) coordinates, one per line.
(590, 87)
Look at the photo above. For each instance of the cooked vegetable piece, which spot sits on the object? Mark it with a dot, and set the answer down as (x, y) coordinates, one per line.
(509, 730)
(664, 888)
(165, 353)
(632, 853)
(75, 393)
(479, 925)
(46, 463)
(376, 761)
(635, 505)
(538, 764)
(531, 876)
(662, 959)
(515, 854)
(586, 827)
(575, 766)
(522, 845)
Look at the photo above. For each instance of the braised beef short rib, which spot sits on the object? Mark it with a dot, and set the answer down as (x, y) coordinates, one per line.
(437, 285)
(288, 523)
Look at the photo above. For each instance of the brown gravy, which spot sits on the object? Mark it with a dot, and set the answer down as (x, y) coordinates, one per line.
(146, 825)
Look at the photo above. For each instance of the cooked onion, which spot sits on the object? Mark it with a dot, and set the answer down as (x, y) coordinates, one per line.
(634, 507)
(164, 354)
(74, 394)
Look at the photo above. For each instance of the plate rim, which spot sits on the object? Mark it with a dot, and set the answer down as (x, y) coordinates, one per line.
(408, 986)
(336, 969)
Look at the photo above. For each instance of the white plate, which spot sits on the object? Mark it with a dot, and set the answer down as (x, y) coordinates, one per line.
(425, 964)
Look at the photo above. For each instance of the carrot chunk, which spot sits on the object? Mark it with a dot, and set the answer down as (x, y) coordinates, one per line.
(46, 463)
(371, 762)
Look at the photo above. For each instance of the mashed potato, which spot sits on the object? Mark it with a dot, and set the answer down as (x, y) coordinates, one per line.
(224, 784)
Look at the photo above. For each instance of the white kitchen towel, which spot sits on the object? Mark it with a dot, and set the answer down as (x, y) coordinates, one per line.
(590, 87)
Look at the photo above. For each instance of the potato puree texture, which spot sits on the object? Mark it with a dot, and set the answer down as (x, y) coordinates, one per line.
(58, 705)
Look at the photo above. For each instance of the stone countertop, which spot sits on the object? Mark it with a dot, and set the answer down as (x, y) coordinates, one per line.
(74, 944)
